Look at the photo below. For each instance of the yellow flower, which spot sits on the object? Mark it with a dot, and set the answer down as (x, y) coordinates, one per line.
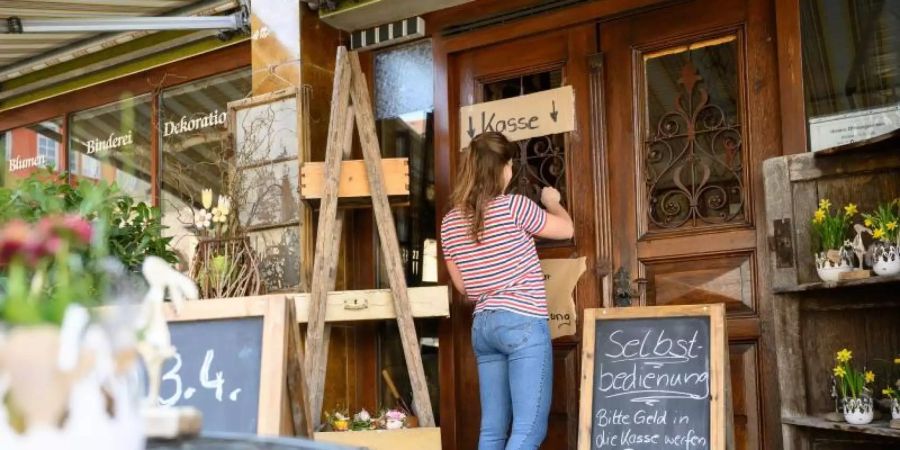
(844, 355)
(878, 234)
(868, 222)
(839, 371)
(888, 391)
(891, 225)
(870, 376)
(850, 209)
(824, 204)
(206, 196)
(896, 360)
(819, 217)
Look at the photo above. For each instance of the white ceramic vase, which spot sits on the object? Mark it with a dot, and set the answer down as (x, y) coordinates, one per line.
(886, 260)
(60, 389)
(858, 411)
(895, 409)
(830, 272)
(391, 424)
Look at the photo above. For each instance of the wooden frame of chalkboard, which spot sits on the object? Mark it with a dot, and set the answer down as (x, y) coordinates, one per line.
(279, 398)
(720, 428)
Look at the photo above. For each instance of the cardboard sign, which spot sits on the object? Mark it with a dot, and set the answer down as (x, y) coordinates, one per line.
(518, 118)
(560, 278)
(655, 378)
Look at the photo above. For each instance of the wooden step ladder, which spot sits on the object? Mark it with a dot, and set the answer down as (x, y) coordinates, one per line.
(351, 107)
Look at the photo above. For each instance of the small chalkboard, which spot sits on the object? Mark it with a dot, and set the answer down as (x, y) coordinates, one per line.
(233, 362)
(654, 378)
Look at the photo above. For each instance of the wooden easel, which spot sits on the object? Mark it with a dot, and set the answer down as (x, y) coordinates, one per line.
(350, 102)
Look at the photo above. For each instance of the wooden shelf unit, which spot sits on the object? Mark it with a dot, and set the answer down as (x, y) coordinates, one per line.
(813, 320)
(876, 428)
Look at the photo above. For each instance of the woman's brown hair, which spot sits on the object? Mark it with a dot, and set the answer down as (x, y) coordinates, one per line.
(480, 178)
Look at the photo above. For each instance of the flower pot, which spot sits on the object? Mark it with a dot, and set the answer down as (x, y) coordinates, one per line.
(895, 409)
(831, 264)
(85, 405)
(886, 259)
(392, 424)
(858, 411)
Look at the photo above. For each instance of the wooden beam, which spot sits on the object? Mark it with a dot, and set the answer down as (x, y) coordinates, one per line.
(354, 181)
(387, 233)
(325, 261)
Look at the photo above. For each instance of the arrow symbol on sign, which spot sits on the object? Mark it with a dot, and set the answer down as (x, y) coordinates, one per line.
(471, 129)
(554, 113)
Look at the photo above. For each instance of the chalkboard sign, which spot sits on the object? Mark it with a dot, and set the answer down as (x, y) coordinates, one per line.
(654, 378)
(233, 361)
(216, 370)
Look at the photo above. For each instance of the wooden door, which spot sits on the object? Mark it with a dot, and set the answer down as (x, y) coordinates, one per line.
(690, 107)
(511, 69)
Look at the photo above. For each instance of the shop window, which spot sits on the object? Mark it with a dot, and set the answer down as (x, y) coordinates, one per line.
(404, 119)
(115, 137)
(851, 75)
(48, 150)
(194, 154)
(31, 148)
(693, 156)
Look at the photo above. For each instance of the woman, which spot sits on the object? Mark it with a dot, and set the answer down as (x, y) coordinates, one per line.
(488, 243)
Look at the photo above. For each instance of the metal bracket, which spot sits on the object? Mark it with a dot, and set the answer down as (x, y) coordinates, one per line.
(623, 292)
(783, 244)
(14, 25)
(355, 304)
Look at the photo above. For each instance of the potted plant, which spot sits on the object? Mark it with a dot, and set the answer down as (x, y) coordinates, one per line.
(884, 223)
(830, 233)
(856, 399)
(224, 265)
(65, 373)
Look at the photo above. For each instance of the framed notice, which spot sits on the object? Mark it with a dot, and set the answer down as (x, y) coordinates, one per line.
(655, 378)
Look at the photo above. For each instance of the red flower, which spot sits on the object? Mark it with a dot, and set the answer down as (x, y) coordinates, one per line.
(13, 239)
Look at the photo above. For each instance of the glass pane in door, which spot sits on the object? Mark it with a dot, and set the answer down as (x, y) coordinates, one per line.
(693, 156)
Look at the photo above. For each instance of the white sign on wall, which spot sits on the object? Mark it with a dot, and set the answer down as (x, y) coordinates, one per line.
(518, 118)
(840, 129)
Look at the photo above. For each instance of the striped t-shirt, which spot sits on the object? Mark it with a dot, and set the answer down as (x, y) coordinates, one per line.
(502, 271)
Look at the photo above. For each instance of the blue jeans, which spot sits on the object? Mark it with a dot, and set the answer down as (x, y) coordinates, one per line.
(515, 374)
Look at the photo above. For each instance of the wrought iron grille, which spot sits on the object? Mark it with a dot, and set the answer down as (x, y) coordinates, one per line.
(693, 161)
(542, 160)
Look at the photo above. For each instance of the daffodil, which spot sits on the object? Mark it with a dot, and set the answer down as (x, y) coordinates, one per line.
(206, 197)
(844, 355)
(824, 204)
(878, 234)
(839, 372)
(870, 376)
(868, 222)
(891, 225)
(888, 392)
(850, 210)
(896, 360)
(819, 216)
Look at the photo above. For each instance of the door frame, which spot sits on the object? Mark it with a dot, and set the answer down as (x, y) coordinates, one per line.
(446, 91)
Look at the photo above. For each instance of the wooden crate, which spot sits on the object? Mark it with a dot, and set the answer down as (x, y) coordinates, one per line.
(407, 439)
(354, 181)
(813, 319)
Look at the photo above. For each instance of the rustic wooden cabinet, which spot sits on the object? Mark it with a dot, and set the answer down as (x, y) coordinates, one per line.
(813, 319)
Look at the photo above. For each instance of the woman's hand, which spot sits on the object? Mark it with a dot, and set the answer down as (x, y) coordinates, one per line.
(550, 198)
(559, 224)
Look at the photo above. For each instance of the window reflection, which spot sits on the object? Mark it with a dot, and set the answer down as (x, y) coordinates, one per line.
(194, 138)
(851, 69)
(112, 143)
(31, 148)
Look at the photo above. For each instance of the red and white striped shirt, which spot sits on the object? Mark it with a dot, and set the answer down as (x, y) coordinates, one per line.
(503, 270)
